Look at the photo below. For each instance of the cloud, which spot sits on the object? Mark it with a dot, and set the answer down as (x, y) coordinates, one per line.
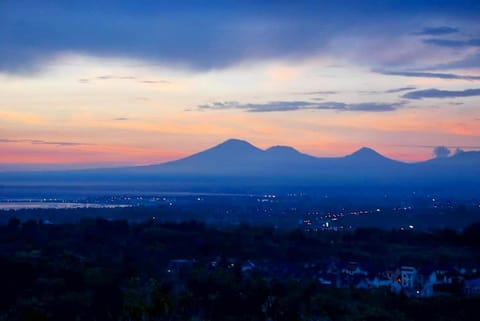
(437, 93)
(154, 82)
(328, 92)
(43, 142)
(282, 106)
(133, 78)
(389, 91)
(120, 118)
(426, 74)
(319, 92)
(106, 77)
(470, 61)
(373, 107)
(473, 42)
(401, 89)
(441, 152)
(259, 107)
(436, 31)
(32, 33)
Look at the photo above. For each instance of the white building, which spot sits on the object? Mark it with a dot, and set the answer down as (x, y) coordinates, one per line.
(408, 277)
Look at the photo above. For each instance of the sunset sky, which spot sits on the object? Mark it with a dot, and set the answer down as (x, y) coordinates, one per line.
(106, 83)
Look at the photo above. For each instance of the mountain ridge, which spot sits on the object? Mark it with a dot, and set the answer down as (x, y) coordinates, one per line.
(242, 146)
(240, 157)
(236, 161)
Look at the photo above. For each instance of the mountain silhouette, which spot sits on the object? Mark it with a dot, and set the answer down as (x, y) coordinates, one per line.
(365, 153)
(236, 160)
(367, 157)
(285, 151)
(236, 156)
(233, 155)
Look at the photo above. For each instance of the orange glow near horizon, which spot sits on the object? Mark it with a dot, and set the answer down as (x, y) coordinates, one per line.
(27, 154)
(134, 116)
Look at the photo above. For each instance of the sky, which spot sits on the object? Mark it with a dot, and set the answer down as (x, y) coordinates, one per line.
(110, 83)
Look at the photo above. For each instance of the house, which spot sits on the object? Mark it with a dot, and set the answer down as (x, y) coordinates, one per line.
(472, 287)
(363, 282)
(438, 281)
(408, 277)
(441, 276)
(353, 268)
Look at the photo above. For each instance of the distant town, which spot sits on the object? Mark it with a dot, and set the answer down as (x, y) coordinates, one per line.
(311, 213)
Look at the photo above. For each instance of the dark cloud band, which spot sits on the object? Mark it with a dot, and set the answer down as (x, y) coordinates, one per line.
(282, 106)
(43, 142)
(437, 93)
(474, 42)
(420, 74)
(436, 31)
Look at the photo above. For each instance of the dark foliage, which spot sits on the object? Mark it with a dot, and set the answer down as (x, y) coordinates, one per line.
(111, 270)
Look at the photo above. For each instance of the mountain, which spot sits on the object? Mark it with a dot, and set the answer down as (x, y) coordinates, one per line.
(238, 157)
(233, 155)
(286, 152)
(235, 162)
(459, 167)
(368, 157)
(462, 158)
(288, 158)
(366, 154)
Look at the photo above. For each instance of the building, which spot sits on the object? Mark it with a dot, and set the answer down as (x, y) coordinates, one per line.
(353, 268)
(408, 277)
(472, 287)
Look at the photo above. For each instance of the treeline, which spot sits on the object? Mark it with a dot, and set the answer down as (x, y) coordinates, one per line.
(112, 270)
